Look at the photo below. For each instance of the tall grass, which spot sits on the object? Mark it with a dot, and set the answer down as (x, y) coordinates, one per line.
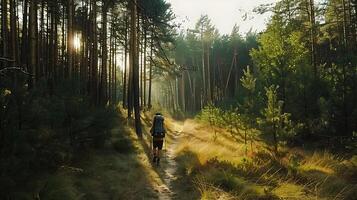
(221, 169)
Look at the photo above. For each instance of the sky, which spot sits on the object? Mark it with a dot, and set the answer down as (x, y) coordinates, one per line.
(223, 13)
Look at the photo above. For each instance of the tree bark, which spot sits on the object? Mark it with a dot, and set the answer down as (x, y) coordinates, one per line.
(133, 48)
(150, 74)
(24, 39)
(313, 36)
(63, 45)
(33, 43)
(13, 33)
(209, 92)
(41, 42)
(110, 66)
(203, 96)
(114, 70)
(70, 39)
(103, 84)
(125, 63)
(4, 28)
(145, 58)
(94, 54)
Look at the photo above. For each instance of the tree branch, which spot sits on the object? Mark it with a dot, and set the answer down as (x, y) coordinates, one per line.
(6, 59)
(2, 71)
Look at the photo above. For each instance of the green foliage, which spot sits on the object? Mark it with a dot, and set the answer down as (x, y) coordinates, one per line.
(248, 80)
(239, 125)
(316, 84)
(275, 122)
(212, 115)
(249, 83)
(293, 164)
(220, 50)
(232, 120)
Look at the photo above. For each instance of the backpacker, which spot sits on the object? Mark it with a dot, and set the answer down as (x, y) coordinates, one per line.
(158, 129)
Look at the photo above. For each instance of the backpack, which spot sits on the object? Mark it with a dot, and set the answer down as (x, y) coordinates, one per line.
(158, 129)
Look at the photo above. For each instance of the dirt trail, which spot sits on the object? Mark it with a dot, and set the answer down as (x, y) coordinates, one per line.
(166, 172)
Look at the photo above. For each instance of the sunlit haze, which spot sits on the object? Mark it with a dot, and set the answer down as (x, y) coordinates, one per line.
(223, 13)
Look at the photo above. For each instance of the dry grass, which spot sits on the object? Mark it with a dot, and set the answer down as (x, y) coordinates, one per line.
(200, 140)
(222, 169)
(209, 168)
(117, 171)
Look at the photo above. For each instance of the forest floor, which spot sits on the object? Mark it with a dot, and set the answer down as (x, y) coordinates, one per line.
(221, 166)
(121, 170)
(194, 165)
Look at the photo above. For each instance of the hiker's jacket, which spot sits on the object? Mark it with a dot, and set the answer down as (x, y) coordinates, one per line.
(158, 129)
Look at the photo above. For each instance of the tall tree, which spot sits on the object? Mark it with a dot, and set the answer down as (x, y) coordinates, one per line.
(33, 29)
(70, 37)
(135, 66)
(104, 80)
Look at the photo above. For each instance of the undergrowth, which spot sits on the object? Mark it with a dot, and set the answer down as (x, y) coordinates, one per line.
(221, 169)
(49, 131)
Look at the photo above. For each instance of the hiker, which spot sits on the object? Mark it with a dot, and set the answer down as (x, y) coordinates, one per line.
(158, 134)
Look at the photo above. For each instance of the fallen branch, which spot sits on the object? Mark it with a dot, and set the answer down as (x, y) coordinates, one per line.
(2, 71)
(6, 59)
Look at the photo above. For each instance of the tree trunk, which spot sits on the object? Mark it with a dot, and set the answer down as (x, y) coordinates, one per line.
(135, 79)
(63, 45)
(313, 36)
(33, 42)
(55, 52)
(203, 96)
(344, 71)
(114, 70)
(140, 53)
(4, 28)
(85, 44)
(355, 21)
(24, 39)
(103, 82)
(150, 73)
(41, 42)
(110, 67)
(125, 63)
(352, 29)
(70, 39)
(94, 54)
(130, 90)
(13, 33)
(183, 103)
(144, 78)
(230, 72)
(52, 49)
(209, 92)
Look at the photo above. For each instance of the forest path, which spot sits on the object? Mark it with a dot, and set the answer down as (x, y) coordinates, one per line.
(164, 175)
(114, 172)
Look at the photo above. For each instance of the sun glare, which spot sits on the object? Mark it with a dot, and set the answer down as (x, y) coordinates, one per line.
(77, 42)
